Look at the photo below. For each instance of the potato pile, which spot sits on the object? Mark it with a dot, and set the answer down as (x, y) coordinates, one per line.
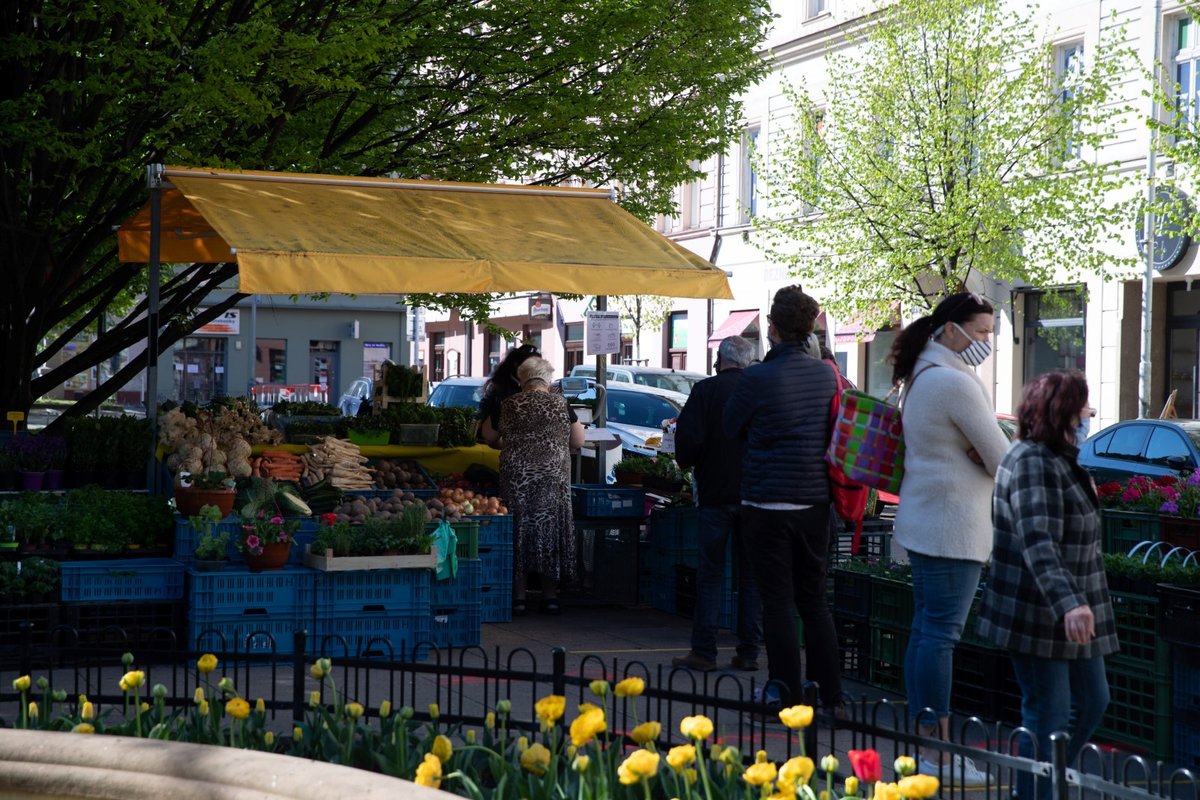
(358, 509)
(396, 474)
(466, 501)
(340, 461)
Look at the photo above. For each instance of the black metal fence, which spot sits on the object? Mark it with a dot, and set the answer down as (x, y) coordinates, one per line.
(467, 683)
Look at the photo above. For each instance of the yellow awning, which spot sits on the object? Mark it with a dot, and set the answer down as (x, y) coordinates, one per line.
(292, 233)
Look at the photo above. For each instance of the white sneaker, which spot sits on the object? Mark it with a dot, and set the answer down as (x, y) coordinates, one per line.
(963, 772)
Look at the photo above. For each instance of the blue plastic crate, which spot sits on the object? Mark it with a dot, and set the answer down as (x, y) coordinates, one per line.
(1186, 681)
(456, 626)
(1186, 745)
(382, 634)
(497, 563)
(253, 633)
(237, 592)
(186, 539)
(400, 590)
(462, 589)
(602, 500)
(122, 579)
(494, 529)
(496, 602)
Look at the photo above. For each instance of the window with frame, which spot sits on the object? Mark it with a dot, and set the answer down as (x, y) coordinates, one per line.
(438, 356)
(1054, 331)
(1186, 57)
(814, 130)
(878, 380)
(677, 339)
(270, 361)
(815, 8)
(748, 194)
(1069, 66)
(572, 346)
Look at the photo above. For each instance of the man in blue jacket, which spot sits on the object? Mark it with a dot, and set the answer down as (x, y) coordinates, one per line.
(780, 409)
(700, 442)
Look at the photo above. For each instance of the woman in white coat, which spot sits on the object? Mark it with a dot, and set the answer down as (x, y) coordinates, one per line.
(953, 446)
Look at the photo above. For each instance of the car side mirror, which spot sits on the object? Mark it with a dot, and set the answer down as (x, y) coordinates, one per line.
(1180, 463)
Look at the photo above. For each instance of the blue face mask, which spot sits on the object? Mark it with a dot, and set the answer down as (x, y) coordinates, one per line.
(1081, 432)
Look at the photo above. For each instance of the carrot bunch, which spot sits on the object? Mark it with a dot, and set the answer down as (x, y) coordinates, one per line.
(278, 465)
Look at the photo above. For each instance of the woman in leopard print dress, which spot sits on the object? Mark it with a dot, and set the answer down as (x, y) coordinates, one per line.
(537, 432)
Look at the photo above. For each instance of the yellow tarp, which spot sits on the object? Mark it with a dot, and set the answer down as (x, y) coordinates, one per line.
(293, 233)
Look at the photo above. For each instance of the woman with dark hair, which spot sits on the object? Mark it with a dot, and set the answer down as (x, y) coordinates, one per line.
(1046, 600)
(502, 385)
(953, 446)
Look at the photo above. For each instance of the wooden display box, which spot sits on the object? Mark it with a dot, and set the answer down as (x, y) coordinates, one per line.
(345, 564)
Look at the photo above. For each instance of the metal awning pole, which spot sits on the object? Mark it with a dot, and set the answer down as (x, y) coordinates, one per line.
(154, 175)
(601, 408)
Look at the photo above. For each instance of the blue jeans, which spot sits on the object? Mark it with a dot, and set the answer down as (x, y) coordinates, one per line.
(1058, 694)
(943, 589)
(719, 525)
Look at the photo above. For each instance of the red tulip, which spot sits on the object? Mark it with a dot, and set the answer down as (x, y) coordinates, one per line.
(866, 765)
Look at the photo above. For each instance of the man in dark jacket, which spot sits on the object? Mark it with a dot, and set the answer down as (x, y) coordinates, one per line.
(700, 442)
(780, 408)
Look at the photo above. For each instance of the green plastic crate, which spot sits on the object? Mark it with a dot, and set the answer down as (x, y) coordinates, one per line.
(1121, 531)
(889, 644)
(1142, 649)
(891, 603)
(1139, 711)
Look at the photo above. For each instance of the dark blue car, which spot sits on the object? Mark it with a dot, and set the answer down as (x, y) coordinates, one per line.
(1151, 447)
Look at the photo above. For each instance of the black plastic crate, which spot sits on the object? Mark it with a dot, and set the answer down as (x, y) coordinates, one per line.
(685, 590)
(888, 643)
(889, 677)
(854, 640)
(852, 593)
(42, 619)
(975, 679)
(607, 562)
(147, 626)
(1139, 711)
(891, 602)
(1180, 609)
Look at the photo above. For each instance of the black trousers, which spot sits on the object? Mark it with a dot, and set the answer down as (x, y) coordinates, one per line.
(789, 553)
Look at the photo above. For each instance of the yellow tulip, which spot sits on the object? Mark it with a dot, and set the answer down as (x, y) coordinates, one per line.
(198, 696)
(581, 763)
(640, 765)
(599, 688)
(760, 773)
(905, 765)
(429, 772)
(797, 717)
(434, 711)
(203, 710)
(237, 708)
(314, 699)
(681, 756)
(145, 706)
(731, 756)
(88, 712)
(385, 709)
(691, 776)
(260, 706)
(797, 770)
(206, 663)
(714, 752)
(134, 679)
(550, 708)
(630, 687)
(918, 787)
(646, 732)
(22, 683)
(886, 791)
(269, 739)
(760, 756)
(297, 733)
(851, 786)
(489, 720)
(522, 744)
(829, 764)
(587, 726)
(698, 727)
(226, 685)
(535, 759)
(83, 727)
(354, 710)
(470, 736)
(316, 671)
(586, 707)
(442, 748)
(33, 711)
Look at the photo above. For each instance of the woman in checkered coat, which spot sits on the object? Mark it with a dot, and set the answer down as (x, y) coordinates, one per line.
(1046, 599)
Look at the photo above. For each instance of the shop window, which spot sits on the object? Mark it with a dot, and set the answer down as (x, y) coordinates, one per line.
(374, 354)
(572, 346)
(879, 371)
(324, 358)
(200, 369)
(677, 339)
(270, 361)
(1053, 331)
(439, 357)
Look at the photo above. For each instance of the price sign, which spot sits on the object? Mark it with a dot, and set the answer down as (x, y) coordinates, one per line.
(602, 335)
(16, 418)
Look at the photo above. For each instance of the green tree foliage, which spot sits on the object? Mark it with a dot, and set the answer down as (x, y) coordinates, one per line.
(946, 142)
(641, 314)
(610, 92)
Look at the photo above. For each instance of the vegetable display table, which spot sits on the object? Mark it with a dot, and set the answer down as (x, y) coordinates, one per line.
(433, 459)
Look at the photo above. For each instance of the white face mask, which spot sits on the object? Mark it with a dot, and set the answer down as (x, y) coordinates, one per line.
(976, 352)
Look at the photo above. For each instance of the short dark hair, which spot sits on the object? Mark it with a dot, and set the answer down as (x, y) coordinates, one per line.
(793, 313)
(1049, 406)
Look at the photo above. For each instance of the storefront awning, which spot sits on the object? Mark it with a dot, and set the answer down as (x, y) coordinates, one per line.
(734, 325)
(292, 233)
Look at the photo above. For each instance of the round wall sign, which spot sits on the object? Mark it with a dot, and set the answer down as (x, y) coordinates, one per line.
(1171, 242)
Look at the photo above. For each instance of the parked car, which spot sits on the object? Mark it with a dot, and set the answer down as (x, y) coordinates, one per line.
(458, 391)
(1151, 447)
(359, 392)
(672, 380)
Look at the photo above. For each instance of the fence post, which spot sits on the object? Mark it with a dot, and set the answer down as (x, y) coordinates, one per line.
(558, 661)
(26, 645)
(1058, 765)
(299, 643)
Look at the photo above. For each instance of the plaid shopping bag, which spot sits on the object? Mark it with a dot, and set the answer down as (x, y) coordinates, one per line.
(867, 442)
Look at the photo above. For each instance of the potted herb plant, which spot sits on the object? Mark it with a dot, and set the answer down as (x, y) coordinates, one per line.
(212, 544)
(135, 440)
(211, 487)
(632, 469)
(33, 459)
(56, 461)
(83, 451)
(369, 429)
(41, 579)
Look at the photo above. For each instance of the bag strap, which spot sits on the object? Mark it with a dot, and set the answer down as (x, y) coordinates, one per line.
(911, 382)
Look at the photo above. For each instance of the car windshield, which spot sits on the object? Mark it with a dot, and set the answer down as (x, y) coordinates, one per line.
(665, 380)
(634, 408)
(463, 394)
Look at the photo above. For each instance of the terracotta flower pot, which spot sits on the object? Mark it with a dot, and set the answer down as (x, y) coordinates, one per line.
(274, 555)
(188, 502)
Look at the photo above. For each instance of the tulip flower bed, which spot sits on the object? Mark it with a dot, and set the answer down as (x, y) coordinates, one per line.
(574, 754)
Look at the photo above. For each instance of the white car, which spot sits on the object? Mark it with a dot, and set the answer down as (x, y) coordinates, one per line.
(672, 380)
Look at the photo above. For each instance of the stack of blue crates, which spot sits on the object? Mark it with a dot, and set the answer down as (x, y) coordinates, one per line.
(496, 561)
(253, 612)
(456, 606)
(670, 550)
(186, 539)
(381, 613)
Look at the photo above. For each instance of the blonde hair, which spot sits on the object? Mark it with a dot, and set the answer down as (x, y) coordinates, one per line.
(535, 369)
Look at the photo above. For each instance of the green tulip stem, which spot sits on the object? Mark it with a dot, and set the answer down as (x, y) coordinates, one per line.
(703, 770)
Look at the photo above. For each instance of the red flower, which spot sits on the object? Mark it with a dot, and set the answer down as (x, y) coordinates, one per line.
(866, 765)
(329, 518)
(1166, 480)
(1110, 489)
